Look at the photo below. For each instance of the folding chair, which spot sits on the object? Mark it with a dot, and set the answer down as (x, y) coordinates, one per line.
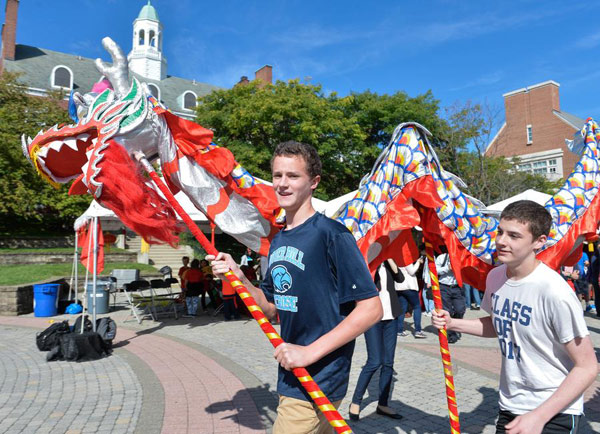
(163, 298)
(140, 304)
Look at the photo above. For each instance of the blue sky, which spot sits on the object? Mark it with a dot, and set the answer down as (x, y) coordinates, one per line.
(461, 50)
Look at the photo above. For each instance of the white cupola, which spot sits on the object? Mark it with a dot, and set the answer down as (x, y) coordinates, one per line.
(146, 58)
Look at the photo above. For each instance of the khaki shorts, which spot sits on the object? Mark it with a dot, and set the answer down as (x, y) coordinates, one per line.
(295, 416)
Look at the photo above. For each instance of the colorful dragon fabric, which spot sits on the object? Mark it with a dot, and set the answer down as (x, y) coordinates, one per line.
(408, 187)
(124, 118)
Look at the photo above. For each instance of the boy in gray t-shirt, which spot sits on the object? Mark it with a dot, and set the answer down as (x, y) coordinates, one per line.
(548, 358)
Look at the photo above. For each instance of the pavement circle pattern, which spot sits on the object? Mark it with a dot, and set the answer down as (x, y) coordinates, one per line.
(41, 397)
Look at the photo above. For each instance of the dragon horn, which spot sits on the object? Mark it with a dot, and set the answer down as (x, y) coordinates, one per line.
(118, 72)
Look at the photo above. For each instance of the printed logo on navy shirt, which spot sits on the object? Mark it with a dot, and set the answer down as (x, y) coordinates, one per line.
(282, 280)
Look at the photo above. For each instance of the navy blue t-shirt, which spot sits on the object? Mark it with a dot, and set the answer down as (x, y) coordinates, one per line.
(315, 275)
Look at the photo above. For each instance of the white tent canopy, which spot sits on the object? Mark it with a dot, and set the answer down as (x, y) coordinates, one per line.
(531, 194)
(111, 222)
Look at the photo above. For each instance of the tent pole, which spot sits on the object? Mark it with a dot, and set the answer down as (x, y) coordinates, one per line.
(94, 273)
(76, 267)
(86, 308)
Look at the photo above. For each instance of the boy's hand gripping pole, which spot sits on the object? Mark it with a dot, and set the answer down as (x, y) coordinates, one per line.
(332, 415)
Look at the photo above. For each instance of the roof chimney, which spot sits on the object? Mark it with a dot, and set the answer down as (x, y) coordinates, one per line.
(243, 81)
(9, 29)
(265, 75)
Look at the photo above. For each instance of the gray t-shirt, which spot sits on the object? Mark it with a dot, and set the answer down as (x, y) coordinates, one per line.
(533, 317)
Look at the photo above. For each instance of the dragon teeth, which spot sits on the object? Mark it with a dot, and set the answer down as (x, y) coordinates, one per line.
(83, 137)
(43, 152)
(56, 145)
(29, 140)
(71, 142)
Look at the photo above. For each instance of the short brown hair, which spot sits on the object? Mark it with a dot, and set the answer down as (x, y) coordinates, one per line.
(297, 149)
(528, 212)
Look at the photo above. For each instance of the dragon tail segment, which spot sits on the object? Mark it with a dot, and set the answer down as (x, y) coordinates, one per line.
(575, 208)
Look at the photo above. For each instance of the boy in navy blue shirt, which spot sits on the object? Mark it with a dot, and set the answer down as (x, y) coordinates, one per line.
(319, 284)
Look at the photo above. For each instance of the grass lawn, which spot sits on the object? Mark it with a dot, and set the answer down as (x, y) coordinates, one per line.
(56, 250)
(31, 273)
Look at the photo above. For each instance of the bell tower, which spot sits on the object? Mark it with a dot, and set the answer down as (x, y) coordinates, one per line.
(146, 57)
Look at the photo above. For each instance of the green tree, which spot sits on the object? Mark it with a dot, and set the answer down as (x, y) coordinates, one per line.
(378, 115)
(27, 202)
(251, 120)
(348, 132)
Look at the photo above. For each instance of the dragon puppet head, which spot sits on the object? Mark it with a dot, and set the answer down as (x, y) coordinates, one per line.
(95, 152)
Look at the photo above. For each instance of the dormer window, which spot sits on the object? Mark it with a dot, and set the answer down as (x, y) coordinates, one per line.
(141, 37)
(189, 100)
(62, 77)
(154, 90)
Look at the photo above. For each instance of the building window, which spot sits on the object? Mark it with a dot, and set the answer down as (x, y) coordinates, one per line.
(62, 77)
(141, 37)
(529, 135)
(154, 90)
(152, 39)
(542, 167)
(189, 101)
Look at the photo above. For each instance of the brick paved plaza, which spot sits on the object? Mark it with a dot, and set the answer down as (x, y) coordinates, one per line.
(205, 375)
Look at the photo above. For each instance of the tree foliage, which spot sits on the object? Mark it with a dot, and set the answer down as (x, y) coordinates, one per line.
(348, 132)
(27, 202)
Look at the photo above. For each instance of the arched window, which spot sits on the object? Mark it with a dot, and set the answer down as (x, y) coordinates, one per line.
(152, 39)
(62, 77)
(141, 37)
(189, 100)
(154, 90)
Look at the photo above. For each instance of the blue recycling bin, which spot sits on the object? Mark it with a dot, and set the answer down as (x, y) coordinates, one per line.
(45, 299)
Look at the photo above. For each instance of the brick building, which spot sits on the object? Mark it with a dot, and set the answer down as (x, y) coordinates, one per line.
(535, 130)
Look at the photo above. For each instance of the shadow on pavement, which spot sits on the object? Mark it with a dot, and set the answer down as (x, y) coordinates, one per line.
(262, 398)
(470, 422)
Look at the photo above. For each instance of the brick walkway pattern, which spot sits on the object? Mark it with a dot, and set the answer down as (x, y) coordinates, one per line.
(205, 375)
